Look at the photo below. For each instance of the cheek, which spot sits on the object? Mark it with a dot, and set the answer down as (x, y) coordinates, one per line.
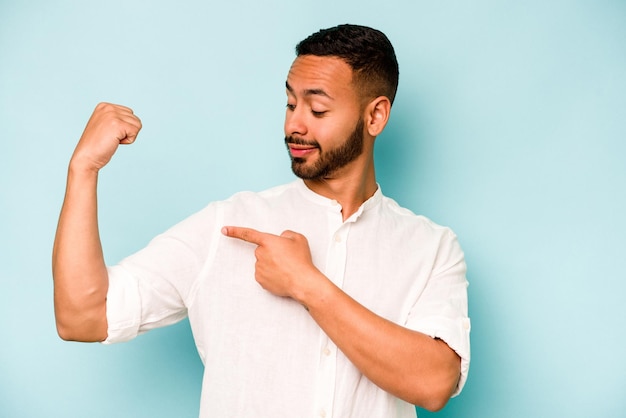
(333, 131)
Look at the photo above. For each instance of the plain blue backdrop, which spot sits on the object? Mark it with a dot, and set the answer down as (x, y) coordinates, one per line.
(509, 126)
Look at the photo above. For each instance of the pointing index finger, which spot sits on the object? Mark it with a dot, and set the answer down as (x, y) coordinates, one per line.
(245, 234)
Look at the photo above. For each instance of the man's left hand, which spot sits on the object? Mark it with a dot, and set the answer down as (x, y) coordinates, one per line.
(283, 262)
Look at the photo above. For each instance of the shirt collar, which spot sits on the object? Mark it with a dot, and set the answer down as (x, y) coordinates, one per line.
(334, 205)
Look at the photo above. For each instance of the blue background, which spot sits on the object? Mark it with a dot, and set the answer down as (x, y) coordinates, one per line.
(509, 126)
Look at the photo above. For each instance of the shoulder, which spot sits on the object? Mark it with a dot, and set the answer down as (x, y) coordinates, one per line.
(391, 210)
(260, 209)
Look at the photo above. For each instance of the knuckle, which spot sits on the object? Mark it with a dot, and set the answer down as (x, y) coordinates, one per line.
(104, 106)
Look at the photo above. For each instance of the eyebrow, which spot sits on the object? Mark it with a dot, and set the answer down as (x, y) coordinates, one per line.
(310, 92)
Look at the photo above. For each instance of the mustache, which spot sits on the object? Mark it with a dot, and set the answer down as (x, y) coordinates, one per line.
(300, 141)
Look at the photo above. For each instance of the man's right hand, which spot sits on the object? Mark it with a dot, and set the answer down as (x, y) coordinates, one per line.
(80, 276)
(109, 126)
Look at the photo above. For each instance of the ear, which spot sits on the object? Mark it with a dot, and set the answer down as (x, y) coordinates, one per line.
(377, 114)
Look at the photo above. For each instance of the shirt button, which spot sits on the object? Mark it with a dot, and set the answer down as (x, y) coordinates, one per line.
(327, 351)
(337, 238)
(322, 413)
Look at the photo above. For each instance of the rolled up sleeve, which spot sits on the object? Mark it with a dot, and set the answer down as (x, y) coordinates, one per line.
(441, 310)
(123, 306)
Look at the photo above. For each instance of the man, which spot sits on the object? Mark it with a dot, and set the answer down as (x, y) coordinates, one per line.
(359, 308)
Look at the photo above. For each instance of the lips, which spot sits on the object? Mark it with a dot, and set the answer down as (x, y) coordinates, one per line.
(301, 151)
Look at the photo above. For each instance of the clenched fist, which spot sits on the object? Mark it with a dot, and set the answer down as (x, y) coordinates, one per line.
(109, 126)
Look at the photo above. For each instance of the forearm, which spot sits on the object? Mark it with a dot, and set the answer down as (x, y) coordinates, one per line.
(408, 364)
(79, 271)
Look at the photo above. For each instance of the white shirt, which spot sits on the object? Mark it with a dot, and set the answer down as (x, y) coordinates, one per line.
(264, 355)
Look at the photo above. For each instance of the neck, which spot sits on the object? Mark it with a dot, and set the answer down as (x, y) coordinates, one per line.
(351, 187)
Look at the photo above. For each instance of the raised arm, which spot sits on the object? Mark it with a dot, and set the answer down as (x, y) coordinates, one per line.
(80, 276)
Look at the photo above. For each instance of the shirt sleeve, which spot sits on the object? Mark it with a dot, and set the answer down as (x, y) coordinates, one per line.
(441, 310)
(153, 287)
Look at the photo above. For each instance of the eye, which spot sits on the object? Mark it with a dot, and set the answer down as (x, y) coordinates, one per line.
(291, 106)
(318, 114)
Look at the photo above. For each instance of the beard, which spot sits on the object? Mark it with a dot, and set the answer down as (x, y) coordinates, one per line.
(328, 161)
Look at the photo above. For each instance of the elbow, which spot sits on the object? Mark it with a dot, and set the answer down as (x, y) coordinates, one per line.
(435, 403)
(65, 333)
(85, 332)
(434, 393)
(82, 325)
(80, 311)
(434, 399)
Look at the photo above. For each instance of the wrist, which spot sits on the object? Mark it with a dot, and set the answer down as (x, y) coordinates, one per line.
(80, 167)
(313, 290)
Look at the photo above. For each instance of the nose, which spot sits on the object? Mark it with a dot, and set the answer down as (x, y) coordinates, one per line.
(295, 123)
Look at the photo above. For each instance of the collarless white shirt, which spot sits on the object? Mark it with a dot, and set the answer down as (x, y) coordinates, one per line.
(264, 356)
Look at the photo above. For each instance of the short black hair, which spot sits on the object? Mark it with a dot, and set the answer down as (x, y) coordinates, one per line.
(366, 50)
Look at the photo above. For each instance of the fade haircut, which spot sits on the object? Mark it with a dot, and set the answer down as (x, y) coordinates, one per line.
(367, 51)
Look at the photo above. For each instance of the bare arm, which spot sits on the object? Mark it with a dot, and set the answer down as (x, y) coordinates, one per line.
(80, 276)
(408, 364)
